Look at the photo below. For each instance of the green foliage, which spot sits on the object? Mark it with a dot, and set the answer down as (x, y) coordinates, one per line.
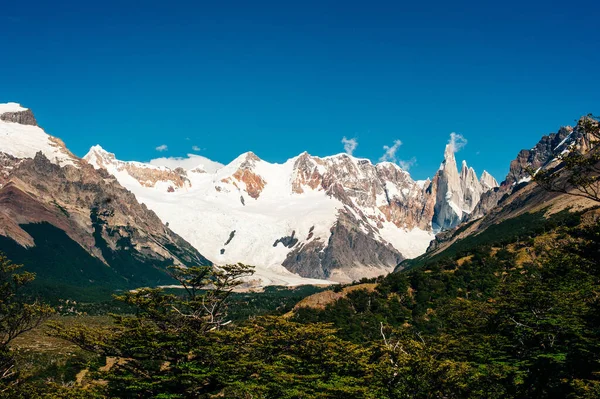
(17, 316)
(162, 348)
(480, 322)
(506, 330)
(272, 301)
(522, 227)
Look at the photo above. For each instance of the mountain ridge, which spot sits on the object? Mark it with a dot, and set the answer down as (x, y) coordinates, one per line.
(378, 205)
(45, 189)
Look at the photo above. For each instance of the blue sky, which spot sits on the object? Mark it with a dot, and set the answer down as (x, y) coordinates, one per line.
(279, 78)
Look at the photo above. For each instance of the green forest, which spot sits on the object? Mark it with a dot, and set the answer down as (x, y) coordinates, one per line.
(496, 316)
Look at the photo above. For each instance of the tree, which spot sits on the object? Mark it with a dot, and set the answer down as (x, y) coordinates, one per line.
(165, 349)
(579, 170)
(17, 316)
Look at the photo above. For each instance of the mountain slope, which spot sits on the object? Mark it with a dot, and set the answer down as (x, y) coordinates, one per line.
(335, 218)
(52, 202)
(517, 196)
(282, 217)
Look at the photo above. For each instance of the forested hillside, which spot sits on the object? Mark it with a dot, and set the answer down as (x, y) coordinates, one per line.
(508, 316)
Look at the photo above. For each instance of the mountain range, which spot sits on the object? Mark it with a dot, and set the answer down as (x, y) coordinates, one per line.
(92, 220)
(336, 218)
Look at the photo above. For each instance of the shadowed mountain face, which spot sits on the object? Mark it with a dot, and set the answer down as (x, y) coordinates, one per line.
(73, 224)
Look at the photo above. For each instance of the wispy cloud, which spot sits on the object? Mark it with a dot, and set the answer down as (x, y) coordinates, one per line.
(349, 145)
(196, 148)
(407, 164)
(162, 147)
(390, 152)
(456, 142)
(390, 156)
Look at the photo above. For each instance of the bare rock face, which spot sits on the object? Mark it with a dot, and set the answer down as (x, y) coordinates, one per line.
(22, 117)
(94, 211)
(544, 151)
(85, 191)
(488, 180)
(359, 184)
(457, 195)
(350, 254)
(543, 155)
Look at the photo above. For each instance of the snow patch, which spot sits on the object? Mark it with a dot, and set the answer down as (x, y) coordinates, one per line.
(11, 107)
(24, 141)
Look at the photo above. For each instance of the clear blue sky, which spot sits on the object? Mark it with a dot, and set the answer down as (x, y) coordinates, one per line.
(282, 77)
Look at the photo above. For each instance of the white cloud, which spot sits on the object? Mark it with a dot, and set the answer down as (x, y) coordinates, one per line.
(190, 162)
(390, 152)
(196, 148)
(349, 145)
(390, 156)
(456, 142)
(162, 147)
(407, 164)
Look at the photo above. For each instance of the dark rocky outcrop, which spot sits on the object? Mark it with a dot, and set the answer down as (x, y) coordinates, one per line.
(349, 250)
(287, 241)
(22, 117)
(231, 235)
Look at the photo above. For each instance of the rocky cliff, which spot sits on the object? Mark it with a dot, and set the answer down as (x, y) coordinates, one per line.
(457, 194)
(55, 192)
(517, 194)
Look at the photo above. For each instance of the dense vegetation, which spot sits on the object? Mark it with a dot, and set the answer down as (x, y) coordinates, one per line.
(513, 313)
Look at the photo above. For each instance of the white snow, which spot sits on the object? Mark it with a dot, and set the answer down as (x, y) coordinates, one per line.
(423, 183)
(205, 217)
(11, 107)
(562, 142)
(216, 204)
(410, 243)
(192, 161)
(24, 141)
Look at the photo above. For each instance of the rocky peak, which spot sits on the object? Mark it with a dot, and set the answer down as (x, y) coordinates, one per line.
(99, 157)
(488, 180)
(15, 113)
(248, 160)
(147, 175)
(456, 194)
(548, 148)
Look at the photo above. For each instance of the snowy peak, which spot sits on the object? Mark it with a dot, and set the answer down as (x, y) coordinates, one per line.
(15, 113)
(98, 157)
(488, 180)
(11, 107)
(138, 173)
(21, 138)
(449, 154)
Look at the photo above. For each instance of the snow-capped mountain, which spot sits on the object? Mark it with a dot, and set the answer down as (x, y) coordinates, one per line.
(21, 137)
(307, 220)
(336, 218)
(73, 224)
(457, 194)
